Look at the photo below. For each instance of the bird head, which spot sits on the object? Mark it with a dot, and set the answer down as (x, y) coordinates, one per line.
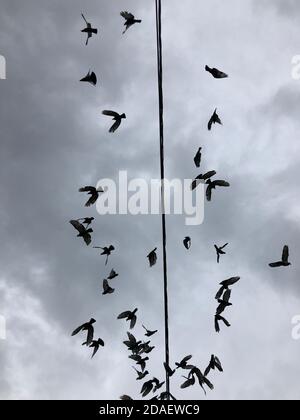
(135, 311)
(92, 321)
(123, 116)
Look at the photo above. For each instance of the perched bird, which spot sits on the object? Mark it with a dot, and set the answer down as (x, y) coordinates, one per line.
(218, 319)
(225, 285)
(129, 316)
(140, 375)
(183, 364)
(217, 74)
(189, 382)
(88, 326)
(215, 119)
(169, 371)
(152, 257)
(86, 221)
(157, 384)
(107, 290)
(112, 275)
(107, 250)
(141, 361)
(116, 117)
(129, 20)
(147, 388)
(198, 157)
(220, 251)
(213, 364)
(132, 343)
(90, 78)
(126, 398)
(284, 260)
(187, 242)
(88, 30)
(93, 192)
(202, 178)
(148, 332)
(211, 185)
(95, 344)
(201, 379)
(83, 232)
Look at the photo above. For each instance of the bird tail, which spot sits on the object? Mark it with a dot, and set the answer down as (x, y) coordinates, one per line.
(94, 31)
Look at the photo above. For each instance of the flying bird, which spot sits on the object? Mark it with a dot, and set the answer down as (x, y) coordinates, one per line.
(93, 192)
(95, 344)
(129, 316)
(187, 242)
(129, 20)
(116, 117)
(218, 319)
(88, 30)
(211, 185)
(225, 285)
(184, 363)
(140, 375)
(152, 257)
(86, 221)
(201, 379)
(157, 384)
(215, 119)
(82, 231)
(148, 332)
(224, 303)
(189, 382)
(112, 275)
(220, 251)
(147, 388)
(202, 178)
(217, 74)
(213, 364)
(90, 78)
(107, 290)
(141, 361)
(88, 326)
(106, 250)
(284, 260)
(146, 348)
(198, 157)
(132, 343)
(169, 371)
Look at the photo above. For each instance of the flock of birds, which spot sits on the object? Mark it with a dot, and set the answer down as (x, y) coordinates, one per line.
(141, 349)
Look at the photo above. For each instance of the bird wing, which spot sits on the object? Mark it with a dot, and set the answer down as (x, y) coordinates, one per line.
(124, 315)
(188, 383)
(210, 123)
(84, 18)
(127, 15)
(186, 359)
(220, 293)
(87, 238)
(88, 189)
(209, 175)
(224, 246)
(221, 183)
(225, 321)
(96, 348)
(218, 364)
(115, 126)
(92, 200)
(78, 226)
(276, 264)
(132, 338)
(90, 334)
(133, 322)
(227, 296)
(285, 254)
(208, 193)
(217, 326)
(77, 330)
(197, 158)
(110, 113)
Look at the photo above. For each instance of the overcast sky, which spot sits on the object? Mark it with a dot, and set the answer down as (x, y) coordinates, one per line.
(54, 140)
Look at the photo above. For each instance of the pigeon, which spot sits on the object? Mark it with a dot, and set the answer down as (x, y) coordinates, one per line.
(148, 332)
(215, 119)
(218, 319)
(146, 348)
(147, 388)
(95, 344)
(83, 232)
(90, 78)
(198, 157)
(88, 326)
(157, 384)
(219, 251)
(183, 364)
(225, 285)
(201, 379)
(217, 74)
(140, 375)
(132, 344)
(187, 242)
(211, 185)
(201, 178)
(129, 20)
(126, 398)
(112, 275)
(129, 316)
(169, 371)
(284, 261)
(213, 364)
(107, 290)
(88, 30)
(86, 221)
(107, 250)
(116, 117)
(152, 257)
(93, 192)
(141, 361)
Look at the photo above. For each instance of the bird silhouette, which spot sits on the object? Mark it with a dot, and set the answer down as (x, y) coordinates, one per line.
(147, 388)
(218, 319)
(213, 364)
(129, 20)
(129, 316)
(284, 260)
(126, 398)
(202, 178)
(225, 285)
(148, 332)
(152, 257)
(217, 74)
(82, 231)
(224, 303)
(141, 361)
(116, 117)
(211, 185)
(107, 290)
(140, 375)
(184, 363)
(189, 382)
(169, 371)
(220, 251)
(87, 326)
(187, 242)
(198, 157)
(201, 378)
(88, 30)
(132, 343)
(215, 119)
(157, 384)
(112, 275)
(86, 221)
(146, 348)
(106, 250)
(93, 192)
(90, 78)
(95, 344)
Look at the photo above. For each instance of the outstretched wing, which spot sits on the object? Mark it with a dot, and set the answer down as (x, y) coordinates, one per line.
(87, 189)
(209, 175)
(127, 15)
(124, 315)
(133, 322)
(210, 123)
(276, 264)
(285, 254)
(78, 226)
(77, 330)
(87, 238)
(208, 193)
(186, 359)
(110, 113)
(115, 126)
(84, 18)
(221, 183)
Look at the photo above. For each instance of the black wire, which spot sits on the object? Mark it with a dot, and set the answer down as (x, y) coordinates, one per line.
(162, 173)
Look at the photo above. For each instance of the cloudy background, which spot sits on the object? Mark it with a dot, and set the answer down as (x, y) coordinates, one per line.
(54, 140)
